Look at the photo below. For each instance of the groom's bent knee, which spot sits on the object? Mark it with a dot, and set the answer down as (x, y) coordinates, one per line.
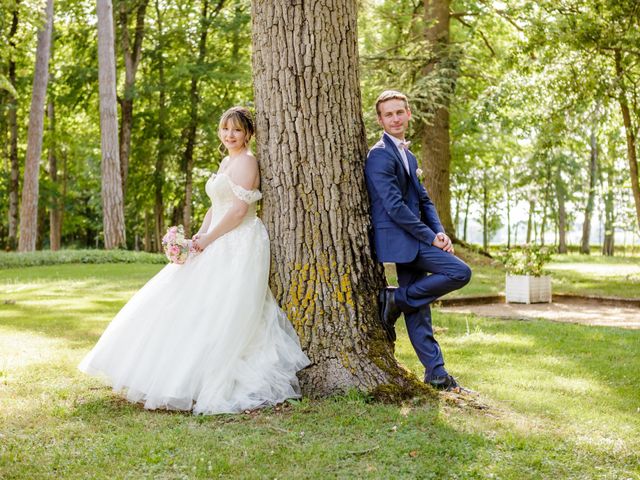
(461, 274)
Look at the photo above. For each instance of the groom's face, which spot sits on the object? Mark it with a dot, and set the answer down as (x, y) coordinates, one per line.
(394, 117)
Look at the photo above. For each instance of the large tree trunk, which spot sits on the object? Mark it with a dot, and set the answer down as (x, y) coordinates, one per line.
(14, 175)
(112, 199)
(30, 186)
(312, 145)
(436, 155)
(588, 211)
(630, 135)
(158, 174)
(131, 62)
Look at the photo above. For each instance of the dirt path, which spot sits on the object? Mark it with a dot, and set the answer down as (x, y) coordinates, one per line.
(588, 314)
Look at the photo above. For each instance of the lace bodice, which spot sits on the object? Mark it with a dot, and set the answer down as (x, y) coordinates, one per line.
(222, 192)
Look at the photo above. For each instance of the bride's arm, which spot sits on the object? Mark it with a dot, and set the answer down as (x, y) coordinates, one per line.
(245, 173)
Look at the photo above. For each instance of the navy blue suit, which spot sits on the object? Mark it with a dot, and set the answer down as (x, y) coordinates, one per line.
(405, 223)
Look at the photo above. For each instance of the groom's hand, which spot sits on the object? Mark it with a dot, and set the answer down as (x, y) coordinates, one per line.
(443, 241)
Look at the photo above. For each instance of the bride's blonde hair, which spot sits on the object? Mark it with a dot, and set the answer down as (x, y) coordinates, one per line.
(239, 117)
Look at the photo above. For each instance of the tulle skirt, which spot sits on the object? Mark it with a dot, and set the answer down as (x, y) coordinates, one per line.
(205, 336)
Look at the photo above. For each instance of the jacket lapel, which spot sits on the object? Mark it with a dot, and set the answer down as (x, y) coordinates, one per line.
(392, 147)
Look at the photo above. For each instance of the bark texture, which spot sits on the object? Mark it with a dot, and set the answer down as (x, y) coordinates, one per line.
(14, 175)
(436, 153)
(30, 186)
(312, 146)
(112, 198)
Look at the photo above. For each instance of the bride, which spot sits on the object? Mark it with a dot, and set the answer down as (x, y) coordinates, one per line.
(208, 336)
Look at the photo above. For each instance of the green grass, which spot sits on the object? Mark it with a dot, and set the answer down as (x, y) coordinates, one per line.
(562, 402)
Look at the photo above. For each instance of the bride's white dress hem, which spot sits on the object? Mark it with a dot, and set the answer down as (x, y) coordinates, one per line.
(206, 336)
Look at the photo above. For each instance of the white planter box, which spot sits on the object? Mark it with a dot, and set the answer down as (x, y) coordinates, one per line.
(528, 289)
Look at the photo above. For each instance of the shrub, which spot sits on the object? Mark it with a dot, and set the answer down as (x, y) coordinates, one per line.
(525, 259)
(47, 257)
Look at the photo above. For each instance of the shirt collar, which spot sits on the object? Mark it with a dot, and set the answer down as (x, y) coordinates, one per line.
(396, 141)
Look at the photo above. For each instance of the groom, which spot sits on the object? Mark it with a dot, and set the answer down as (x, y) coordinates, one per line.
(408, 232)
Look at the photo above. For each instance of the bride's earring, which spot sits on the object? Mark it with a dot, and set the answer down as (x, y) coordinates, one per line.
(221, 149)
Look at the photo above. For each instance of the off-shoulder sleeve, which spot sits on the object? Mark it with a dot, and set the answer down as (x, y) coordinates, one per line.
(247, 196)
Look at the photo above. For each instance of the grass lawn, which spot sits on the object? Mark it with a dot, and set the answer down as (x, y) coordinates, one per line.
(562, 402)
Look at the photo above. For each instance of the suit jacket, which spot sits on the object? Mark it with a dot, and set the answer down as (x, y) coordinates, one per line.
(402, 214)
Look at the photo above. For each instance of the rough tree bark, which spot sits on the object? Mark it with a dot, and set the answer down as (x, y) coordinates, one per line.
(131, 61)
(436, 154)
(30, 186)
(12, 114)
(632, 155)
(112, 198)
(588, 211)
(312, 146)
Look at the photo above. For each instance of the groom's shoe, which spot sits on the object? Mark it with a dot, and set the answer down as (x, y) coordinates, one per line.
(388, 311)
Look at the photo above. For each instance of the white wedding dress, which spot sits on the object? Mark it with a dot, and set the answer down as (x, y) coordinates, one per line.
(206, 336)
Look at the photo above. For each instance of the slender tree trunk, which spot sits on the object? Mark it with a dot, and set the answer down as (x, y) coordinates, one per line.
(588, 211)
(194, 101)
(30, 186)
(112, 198)
(630, 136)
(545, 208)
(562, 216)
(508, 197)
(158, 174)
(466, 213)
(131, 62)
(609, 214)
(12, 114)
(436, 155)
(312, 146)
(530, 221)
(485, 212)
(55, 212)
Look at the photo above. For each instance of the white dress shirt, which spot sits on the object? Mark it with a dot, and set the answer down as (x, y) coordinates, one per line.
(403, 153)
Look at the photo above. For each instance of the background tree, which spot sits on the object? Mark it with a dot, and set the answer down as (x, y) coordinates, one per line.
(112, 198)
(30, 187)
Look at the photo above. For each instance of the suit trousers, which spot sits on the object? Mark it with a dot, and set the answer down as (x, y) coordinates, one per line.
(430, 275)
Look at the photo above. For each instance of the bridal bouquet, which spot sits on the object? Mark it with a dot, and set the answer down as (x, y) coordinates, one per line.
(176, 247)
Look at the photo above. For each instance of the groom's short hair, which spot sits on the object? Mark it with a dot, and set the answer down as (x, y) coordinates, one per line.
(391, 95)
